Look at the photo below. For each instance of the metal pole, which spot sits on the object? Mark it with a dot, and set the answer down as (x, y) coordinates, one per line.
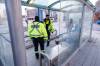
(13, 8)
(38, 12)
(49, 11)
(90, 37)
(81, 24)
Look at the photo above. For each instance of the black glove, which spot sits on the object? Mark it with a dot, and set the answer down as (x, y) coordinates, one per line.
(57, 42)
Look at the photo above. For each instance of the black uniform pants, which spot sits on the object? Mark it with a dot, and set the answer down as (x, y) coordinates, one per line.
(37, 42)
(48, 42)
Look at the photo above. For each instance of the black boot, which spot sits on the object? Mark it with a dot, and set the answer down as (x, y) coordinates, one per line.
(48, 43)
(37, 55)
(42, 56)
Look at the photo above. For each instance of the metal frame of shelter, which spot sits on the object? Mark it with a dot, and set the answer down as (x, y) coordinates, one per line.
(49, 7)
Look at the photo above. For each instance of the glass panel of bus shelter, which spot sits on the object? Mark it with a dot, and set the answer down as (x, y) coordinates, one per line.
(28, 14)
(87, 24)
(42, 14)
(66, 3)
(6, 55)
(69, 39)
(56, 17)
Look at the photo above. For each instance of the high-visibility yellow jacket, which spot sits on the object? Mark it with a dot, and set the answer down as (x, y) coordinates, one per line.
(50, 25)
(37, 29)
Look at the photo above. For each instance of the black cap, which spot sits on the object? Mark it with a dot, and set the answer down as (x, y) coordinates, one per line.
(36, 18)
(47, 15)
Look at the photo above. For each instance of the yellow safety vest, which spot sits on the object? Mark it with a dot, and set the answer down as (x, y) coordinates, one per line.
(50, 25)
(37, 29)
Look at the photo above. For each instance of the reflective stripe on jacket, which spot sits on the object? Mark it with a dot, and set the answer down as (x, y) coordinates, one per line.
(36, 30)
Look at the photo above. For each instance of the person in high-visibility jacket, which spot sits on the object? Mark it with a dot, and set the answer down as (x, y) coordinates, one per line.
(49, 27)
(38, 34)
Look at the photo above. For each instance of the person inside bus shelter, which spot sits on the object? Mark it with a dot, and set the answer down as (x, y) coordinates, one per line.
(49, 27)
(38, 34)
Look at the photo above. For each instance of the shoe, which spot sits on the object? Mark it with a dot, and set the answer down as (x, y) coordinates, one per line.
(37, 56)
(47, 45)
(41, 56)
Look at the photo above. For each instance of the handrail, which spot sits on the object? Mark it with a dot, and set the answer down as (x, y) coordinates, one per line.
(4, 33)
(52, 38)
(5, 38)
(44, 54)
(10, 41)
(56, 37)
